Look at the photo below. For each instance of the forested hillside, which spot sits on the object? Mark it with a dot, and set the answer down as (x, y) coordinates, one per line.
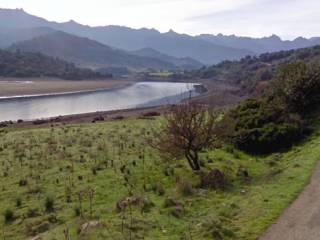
(22, 64)
(250, 70)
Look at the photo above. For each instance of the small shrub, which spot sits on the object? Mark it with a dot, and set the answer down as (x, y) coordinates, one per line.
(8, 216)
(185, 188)
(32, 212)
(77, 211)
(158, 189)
(18, 202)
(23, 182)
(49, 204)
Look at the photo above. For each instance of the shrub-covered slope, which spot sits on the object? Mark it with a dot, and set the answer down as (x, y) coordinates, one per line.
(249, 71)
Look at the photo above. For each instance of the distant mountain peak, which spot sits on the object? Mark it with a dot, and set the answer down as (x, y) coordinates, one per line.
(172, 32)
(71, 21)
(274, 37)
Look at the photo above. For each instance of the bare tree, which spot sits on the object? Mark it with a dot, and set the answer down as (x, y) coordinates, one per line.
(188, 129)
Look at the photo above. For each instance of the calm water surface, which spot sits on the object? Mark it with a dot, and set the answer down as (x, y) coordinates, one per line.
(138, 95)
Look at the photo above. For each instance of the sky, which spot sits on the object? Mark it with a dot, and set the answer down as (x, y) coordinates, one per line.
(255, 18)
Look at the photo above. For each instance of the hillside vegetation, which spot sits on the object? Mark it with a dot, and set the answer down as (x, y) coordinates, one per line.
(250, 71)
(76, 180)
(22, 64)
(279, 118)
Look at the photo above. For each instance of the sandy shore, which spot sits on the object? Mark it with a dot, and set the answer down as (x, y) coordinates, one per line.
(31, 86)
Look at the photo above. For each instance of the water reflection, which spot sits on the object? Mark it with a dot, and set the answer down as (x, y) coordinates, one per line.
(138, 95)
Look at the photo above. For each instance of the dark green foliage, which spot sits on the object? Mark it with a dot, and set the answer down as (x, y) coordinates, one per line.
(279, 118)
(27, 64)
(8, 216)
(49, 204)
(262, 127)
(18, 202)
(297, 85)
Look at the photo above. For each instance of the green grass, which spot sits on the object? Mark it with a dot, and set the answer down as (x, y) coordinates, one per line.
(61, 161)
(164, 74)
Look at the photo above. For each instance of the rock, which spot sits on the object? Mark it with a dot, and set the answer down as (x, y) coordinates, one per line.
(88, 226)
(242, 172)
(171, 202)
(36, 238)
(214, 180)
(175, 207)
(98, 119)
(177, 211)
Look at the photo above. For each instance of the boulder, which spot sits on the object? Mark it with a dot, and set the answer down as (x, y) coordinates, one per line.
(215, 179)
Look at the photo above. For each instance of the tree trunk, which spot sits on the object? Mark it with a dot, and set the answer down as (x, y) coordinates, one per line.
(193, 160)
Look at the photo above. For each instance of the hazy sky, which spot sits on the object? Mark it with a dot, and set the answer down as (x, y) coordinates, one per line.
(287, 18)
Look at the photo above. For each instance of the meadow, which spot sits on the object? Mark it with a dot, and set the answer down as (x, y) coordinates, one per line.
(104, 181)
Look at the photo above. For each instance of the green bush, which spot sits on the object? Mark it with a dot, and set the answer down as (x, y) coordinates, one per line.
(49, 204)
(8, 216)
(297, 85)
(260, 126)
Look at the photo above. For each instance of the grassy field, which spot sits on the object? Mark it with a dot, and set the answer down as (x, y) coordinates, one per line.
(54, 180)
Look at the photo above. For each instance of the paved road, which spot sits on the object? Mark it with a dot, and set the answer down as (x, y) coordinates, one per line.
(301, 221)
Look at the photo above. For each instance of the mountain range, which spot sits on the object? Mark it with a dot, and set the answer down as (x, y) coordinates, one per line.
(138, 49)
(260, 45)
(170, 43)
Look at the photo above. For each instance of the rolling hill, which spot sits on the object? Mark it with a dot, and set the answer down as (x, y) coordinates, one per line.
(183, 63)
(9, 36)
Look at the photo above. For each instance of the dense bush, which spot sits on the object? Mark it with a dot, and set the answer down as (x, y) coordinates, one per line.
(49, 204)
(278, 118)
(8, 216)
(261, 127)
(297, 85)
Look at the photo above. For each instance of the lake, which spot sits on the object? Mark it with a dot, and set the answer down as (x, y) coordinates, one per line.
(141, 94)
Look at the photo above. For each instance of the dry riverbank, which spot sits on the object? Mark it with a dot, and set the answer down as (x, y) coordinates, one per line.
(35, 86)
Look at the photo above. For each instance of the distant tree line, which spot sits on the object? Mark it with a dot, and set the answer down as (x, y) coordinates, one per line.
(27, 64)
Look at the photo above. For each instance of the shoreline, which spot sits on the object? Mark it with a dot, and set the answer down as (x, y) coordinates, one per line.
(53, 94)
(11, 88)
(93, 117)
